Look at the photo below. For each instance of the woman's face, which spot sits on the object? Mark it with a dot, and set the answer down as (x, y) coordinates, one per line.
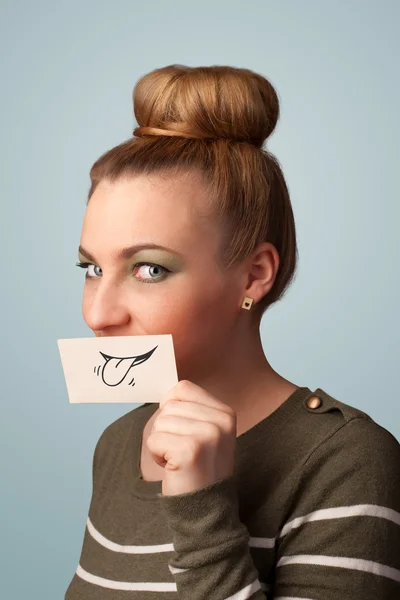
(180, 289)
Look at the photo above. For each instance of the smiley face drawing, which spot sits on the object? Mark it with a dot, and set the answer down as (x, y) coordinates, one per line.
(116, 368)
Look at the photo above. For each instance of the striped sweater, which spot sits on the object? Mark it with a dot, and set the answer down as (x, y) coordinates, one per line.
(312, 511)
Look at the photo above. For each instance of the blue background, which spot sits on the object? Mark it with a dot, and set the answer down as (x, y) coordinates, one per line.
(67, 74)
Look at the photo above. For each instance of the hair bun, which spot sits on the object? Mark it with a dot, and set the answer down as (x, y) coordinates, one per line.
(206, 103)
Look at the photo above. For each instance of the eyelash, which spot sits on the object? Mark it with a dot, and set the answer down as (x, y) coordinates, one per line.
(85, 265)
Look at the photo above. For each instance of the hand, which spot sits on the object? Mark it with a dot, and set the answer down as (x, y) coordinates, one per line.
(193, 438)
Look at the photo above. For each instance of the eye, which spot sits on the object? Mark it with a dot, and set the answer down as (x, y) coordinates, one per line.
(158, 271)
(86, 265)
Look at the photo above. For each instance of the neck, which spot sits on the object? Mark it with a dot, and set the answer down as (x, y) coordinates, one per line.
(246, 381)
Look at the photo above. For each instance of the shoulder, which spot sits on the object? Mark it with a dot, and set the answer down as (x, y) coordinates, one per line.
(344, 509)
(351, 454)
(347, 460)
(335, 423)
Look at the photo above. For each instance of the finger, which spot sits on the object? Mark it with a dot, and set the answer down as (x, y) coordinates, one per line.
(177, 450)
(192, 410)
(190, 392)
(183, 426)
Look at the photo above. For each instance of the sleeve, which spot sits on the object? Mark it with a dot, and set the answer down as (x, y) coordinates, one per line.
(211, 559)
(342, 537)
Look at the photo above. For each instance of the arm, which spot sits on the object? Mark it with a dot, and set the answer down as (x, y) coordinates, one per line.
(342, 538)
(211, 559)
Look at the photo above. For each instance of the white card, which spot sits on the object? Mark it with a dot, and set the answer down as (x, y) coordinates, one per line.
(135, 368)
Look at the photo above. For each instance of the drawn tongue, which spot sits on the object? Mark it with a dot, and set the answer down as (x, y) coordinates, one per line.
(116, 369)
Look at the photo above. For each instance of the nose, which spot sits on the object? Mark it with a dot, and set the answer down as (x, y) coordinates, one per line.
(105, 306)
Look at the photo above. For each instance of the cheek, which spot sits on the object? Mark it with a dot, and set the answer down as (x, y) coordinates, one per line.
(198, 315)
(198, 322)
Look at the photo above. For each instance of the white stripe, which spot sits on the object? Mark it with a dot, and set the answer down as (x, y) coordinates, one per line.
(175, 570)
(255, 542)
(126, 585)
(339, 512)
(163, 586)
(103, 541)
(246, 592)
(264, 586)
(142, 586)
(358, 510)
(357, 564)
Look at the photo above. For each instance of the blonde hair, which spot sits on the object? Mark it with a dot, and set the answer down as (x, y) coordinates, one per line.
(214, 120)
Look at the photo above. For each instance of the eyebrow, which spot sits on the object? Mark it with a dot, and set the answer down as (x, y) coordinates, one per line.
(126, 253)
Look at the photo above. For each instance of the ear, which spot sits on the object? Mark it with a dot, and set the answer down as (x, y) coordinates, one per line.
(262, 268)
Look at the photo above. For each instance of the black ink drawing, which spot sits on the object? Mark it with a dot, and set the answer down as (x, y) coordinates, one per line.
(115, 369)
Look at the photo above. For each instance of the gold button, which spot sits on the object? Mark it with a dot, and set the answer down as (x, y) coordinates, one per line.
(314, 402)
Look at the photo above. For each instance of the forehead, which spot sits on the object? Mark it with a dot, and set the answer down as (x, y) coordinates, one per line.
(166, 210)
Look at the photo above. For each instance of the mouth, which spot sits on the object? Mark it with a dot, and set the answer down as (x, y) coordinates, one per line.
(116, 368)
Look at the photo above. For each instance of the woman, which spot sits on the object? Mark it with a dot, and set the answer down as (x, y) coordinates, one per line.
(239, 484)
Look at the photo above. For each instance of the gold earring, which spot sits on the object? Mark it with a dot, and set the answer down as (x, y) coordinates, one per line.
(247, 302)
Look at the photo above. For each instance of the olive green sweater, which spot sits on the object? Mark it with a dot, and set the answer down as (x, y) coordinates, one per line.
(312, 511)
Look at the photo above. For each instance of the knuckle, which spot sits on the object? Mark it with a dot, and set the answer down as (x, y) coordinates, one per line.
(213, 432)
(230, 422)
(184, 384)
(168, 403)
